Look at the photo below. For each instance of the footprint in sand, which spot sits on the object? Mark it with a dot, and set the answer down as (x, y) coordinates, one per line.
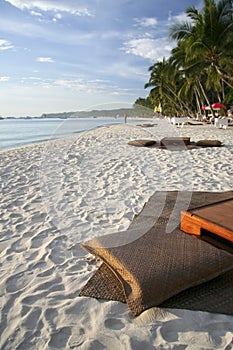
(40, 265)
(32, 299)
(57, 250)
(25, 310)
(17, 247)
(48, 272)
(31, 320)
(18, 281)
(77, 269)
(38, 217)
(20, 227)
(16, 218)
(47, 286)
(50, 315)
(60, 338)
(42, 291)
(37, 241)
(114, 323)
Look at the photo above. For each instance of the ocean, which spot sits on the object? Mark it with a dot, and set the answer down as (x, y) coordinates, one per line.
(21, 132)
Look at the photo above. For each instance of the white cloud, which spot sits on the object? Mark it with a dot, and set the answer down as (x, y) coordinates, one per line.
(146, 21)
(68, 83)
(52, 5)
(93, 87)
(182, 17)
(153, 49)
(57, 17)
(35, 30)
(45, 59)
(84, 85)
(5, 45)
(4, 78)
(33, 78)
(34, 13)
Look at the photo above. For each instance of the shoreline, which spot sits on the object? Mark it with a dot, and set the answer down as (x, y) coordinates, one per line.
(60, 193)
(85, 128)
(40, 143)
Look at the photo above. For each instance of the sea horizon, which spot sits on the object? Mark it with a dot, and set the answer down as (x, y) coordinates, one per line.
(18, 132)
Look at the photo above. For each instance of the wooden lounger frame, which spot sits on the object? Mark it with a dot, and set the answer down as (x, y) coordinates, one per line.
(216, 218)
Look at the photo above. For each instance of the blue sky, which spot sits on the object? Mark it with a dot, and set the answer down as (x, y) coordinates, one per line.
(70, 55)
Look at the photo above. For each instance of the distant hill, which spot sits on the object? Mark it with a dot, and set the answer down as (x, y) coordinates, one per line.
(137, 111)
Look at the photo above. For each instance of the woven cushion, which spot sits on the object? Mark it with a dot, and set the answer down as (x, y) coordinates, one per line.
(146, 125)
(142, 143)
(209, 143)
(156, 266)
(212, 296)
(175, 141)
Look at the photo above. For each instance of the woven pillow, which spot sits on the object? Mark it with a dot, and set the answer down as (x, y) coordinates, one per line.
(209, 143)
(175, 141)
(158, 265)
(142, 143)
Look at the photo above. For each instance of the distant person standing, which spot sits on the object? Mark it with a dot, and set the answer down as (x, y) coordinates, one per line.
(125, 118)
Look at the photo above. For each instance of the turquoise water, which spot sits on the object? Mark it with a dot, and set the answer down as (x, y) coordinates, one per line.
(21, 132)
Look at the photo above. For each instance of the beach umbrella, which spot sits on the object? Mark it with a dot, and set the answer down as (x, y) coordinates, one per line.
(218, 106)
(205, 108)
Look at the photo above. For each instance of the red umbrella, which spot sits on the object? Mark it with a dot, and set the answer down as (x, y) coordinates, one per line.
(205, 108)
(218, 106)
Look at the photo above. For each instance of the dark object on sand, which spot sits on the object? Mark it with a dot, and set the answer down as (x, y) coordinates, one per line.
(142, 143)
(146, 125)
(175, 141)
(209, 143)
(163, 268)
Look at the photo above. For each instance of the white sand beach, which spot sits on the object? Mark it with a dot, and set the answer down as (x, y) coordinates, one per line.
(58, 194)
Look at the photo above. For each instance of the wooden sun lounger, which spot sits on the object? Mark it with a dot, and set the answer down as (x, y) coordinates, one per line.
(215, 219)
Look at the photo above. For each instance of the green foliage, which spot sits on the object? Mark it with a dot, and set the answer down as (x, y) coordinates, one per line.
(200, 68)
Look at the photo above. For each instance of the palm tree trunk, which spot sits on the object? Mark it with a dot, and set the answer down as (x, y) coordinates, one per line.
(204, 94)
(197, 96)
(206, 98)
(180, 100)
(222, 72)
(226, 82)
(223, 89)
(177, 106)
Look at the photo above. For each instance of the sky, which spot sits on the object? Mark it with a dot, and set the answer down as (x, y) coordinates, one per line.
(75, 55)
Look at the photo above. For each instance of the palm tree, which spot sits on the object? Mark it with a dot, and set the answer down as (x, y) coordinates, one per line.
(208, 37)
(199, 79)
(165, 79)
(193, 72)
(200, 68)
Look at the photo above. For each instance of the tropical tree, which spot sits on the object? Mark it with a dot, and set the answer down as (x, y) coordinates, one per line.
(200, 68)
(208, 37)
(194, 76)
(165, 80)
(146, 102)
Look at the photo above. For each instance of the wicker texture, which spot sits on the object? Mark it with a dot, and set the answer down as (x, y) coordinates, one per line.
(164, 269)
